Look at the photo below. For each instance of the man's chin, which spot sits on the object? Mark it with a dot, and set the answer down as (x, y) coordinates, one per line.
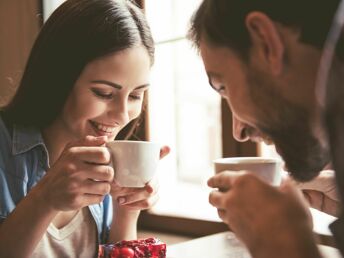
(303, 171)
(306, 168)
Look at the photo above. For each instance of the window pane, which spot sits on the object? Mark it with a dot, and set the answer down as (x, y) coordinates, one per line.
(184, 112)
(169, 18)
(49, 6)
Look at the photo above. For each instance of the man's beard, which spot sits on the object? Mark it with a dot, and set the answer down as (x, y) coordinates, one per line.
(302, 152)
(289, 127)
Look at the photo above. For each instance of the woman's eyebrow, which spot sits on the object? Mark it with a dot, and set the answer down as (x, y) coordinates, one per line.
(117, 86)
(112, 84)
(142, 86)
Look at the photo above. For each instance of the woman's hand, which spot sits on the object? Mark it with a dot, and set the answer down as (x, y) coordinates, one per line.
(80, 177)
(321, 192)
(131, 198)
(128, 202)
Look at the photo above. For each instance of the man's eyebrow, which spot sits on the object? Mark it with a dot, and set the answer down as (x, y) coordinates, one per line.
(117, 86)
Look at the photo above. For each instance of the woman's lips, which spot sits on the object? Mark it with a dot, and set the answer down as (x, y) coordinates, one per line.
(102, 129)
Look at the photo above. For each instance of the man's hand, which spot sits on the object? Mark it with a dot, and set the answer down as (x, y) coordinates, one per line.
(321, 192)
(271, 222)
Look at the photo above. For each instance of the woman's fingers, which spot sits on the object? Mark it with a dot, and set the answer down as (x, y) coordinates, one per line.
(88, 141)
(91, 154)
(165, 150)
(143, 204)
(98, 172)
(135, 196)
(96, 187)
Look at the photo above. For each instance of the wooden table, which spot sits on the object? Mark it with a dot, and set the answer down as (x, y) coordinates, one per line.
(223, 245)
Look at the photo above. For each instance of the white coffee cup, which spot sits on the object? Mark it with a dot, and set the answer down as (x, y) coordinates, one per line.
(267, 169)
(134, 162)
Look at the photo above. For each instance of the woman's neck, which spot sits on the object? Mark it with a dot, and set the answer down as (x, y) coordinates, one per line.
(55, 140)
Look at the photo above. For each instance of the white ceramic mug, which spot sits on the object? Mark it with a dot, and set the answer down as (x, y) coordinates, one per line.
(267, 169)
(134, 162)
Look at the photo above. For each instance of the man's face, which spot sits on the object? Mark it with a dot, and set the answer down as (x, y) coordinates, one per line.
(261, 111)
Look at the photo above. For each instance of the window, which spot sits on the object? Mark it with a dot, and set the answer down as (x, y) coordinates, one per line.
(184, 112)
(188, 115)
(49, 6)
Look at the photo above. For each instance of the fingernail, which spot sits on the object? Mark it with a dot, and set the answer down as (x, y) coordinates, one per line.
(149, 189)
(121, 200)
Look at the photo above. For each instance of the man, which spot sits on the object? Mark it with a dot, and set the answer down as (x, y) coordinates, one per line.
(263, 56)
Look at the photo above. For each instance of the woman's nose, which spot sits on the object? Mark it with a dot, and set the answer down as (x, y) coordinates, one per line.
(119, 112)
(239, 130)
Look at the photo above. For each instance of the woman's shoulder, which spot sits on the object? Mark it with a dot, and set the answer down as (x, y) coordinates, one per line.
(5, 129)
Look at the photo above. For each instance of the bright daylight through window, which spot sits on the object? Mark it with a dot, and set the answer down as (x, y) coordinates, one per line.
(184, 112)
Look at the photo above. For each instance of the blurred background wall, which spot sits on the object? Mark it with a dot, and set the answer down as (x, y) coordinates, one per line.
(20, 21)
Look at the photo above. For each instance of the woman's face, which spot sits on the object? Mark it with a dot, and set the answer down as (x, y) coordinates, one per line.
(107, 95)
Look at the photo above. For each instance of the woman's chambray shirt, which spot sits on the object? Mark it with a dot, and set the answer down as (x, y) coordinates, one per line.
(23, 162)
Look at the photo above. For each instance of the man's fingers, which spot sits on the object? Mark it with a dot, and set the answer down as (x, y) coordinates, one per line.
(289, 187)
(225, 179)
(223, 215)
(216, 199)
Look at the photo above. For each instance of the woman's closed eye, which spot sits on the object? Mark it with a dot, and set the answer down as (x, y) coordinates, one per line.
(105, 94)
(102, 94)
(136, 96)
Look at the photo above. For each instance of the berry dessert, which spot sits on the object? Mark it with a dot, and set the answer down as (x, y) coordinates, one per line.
(143, 248)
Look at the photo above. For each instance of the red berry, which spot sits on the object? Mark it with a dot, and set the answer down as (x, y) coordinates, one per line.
(127, 252)
(115, 253)
(122, 252)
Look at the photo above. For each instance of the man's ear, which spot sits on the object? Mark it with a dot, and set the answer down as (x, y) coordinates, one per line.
(266, 40)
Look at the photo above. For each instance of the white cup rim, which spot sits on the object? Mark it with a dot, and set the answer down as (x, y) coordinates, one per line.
(251, 160)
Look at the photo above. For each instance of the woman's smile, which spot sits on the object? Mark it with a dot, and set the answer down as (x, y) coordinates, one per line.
(102, 129)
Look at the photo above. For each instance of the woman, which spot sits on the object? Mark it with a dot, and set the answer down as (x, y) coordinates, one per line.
(84, 81)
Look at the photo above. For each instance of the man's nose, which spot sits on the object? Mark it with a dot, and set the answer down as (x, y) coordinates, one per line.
(239, 130)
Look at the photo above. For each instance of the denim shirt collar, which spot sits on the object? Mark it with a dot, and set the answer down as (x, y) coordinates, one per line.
(25, 139)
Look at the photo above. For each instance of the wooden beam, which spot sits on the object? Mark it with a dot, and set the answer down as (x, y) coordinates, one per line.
(20, 22)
